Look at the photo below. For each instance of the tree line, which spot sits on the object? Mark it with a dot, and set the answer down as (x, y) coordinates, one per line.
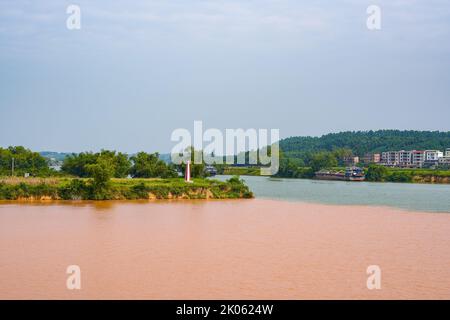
(362, 142)
(19, 160)
(118, 164)
(301, 157)
(106, 163)
(311, 162)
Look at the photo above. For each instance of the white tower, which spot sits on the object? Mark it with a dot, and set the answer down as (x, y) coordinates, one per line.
(187, 174)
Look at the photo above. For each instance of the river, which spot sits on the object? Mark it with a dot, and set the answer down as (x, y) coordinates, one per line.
(409, 196)
(285, 244)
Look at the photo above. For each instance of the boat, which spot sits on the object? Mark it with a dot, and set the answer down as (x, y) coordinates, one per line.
(211, 170)
(355, 174)
(350, 174)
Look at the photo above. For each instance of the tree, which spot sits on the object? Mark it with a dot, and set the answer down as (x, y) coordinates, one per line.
(122, 165)
(361, 142)
(376, 173)
(289, 166)
(342, 154)
(76, 164)
(101, 172)
(323, 160)
(25, 161)
(150, 166)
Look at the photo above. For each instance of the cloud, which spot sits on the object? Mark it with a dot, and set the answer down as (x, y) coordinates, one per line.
(195, 15)
(27, 25)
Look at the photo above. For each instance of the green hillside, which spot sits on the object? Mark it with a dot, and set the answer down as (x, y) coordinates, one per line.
(361, 142)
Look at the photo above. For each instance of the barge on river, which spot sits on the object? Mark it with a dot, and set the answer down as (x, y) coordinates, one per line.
(350, 174)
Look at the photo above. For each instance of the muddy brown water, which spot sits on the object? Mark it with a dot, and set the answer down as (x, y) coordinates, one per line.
(236, 249)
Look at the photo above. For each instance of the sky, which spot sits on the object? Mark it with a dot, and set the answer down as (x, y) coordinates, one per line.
(137, 70)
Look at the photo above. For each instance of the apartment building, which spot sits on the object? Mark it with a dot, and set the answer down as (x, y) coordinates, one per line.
(445, 160)
(432, 158)
(349, 161)
(417, 158)
(390, 158)
(371, 158)
(403, 158)
(433, 155)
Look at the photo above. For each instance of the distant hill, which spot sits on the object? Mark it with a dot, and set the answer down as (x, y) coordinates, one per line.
(166, 157)
(59, 156)
(361, 142)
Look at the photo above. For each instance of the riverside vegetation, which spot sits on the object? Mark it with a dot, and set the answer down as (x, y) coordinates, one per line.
(103, 176)
(302, 157)
(89, 175)
(120, 189)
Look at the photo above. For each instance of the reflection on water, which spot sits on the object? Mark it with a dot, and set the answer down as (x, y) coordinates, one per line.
(105, 206)
(221, 249)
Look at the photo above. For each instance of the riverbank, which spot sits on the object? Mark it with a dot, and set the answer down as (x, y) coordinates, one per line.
(373, 174)
(241, 171)
(40, 189)
(252, 249)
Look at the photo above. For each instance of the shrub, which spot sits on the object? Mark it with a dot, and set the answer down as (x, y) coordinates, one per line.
(75, 190)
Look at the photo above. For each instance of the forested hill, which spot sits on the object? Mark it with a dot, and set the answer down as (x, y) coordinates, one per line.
(60, 156)
(361, 142)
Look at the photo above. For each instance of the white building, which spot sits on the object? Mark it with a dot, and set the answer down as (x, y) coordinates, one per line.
(405, 158)
(444, 161)
(390, 158)
(433, 155)
(417, 158)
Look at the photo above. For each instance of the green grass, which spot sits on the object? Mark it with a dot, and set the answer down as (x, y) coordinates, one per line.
(389, 174)
(378, 173)
(121, 189)
(422, 172)
(242, 171)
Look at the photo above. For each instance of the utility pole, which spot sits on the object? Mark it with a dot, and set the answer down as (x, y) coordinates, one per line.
(12, 166)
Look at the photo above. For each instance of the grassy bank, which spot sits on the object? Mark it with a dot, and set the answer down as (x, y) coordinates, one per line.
(241, 171)
(120, 189)
(383, 174)
(419, 175)
(377, 173)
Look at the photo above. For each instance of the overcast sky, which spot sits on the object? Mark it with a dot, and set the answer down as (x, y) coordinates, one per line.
(137, 70)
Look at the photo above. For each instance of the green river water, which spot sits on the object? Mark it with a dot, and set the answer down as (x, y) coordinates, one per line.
(417, 197)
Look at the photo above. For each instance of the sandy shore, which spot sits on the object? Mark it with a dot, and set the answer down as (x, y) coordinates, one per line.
(242, 249)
